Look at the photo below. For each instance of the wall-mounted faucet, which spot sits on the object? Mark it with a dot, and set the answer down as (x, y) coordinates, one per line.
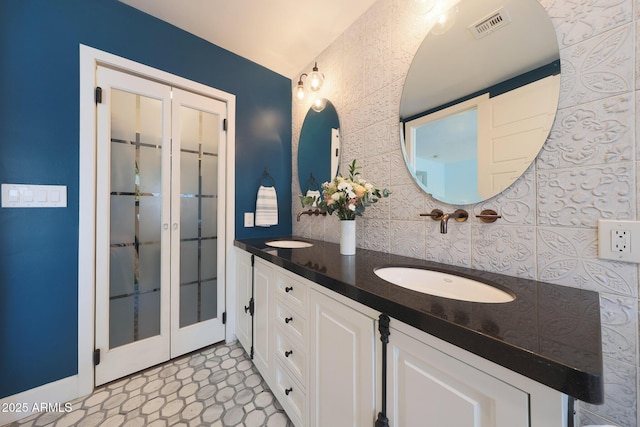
(460, 215)
(310, 212)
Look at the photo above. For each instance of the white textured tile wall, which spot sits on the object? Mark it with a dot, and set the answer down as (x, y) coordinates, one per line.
(586, 170)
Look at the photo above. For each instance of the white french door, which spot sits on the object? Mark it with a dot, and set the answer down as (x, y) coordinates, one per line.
(160, 215)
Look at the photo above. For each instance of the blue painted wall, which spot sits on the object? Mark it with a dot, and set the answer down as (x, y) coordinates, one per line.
(39, 125)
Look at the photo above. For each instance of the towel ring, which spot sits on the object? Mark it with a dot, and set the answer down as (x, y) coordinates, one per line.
(268, 178)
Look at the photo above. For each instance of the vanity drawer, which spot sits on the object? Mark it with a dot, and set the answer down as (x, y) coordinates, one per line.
(290, 320)
(291, 395)
(291, 355)
(291, 290)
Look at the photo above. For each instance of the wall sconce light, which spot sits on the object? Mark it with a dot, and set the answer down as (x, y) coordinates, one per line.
(300, 90)
(316, 78)
(314, 82)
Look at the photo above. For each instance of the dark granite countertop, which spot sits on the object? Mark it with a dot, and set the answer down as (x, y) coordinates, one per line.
(549, 333)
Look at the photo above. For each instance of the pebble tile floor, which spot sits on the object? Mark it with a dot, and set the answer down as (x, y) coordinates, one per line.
(218, 386)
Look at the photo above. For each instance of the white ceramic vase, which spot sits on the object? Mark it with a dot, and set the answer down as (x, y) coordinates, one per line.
(348, 237)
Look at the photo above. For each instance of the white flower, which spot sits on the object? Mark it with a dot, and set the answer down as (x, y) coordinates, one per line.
(352, 207)
(344, 185)
(336, 196)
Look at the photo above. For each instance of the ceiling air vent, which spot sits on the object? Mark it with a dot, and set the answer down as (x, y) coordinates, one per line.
(490, 23)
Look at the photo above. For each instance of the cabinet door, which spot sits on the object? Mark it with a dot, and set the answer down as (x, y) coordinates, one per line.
(432, 389)
(244, 277)
(263, 280)
(342, 376)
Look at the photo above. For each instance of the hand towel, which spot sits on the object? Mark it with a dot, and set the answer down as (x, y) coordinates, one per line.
(316, 194)
(266, 207)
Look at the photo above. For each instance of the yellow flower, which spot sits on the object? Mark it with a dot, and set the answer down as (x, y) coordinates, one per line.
(359, 190)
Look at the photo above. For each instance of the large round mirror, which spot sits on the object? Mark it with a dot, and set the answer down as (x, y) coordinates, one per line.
(479, 100)
(319, 148)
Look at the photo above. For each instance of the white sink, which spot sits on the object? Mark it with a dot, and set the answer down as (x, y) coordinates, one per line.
(290, 244)
(443, 284)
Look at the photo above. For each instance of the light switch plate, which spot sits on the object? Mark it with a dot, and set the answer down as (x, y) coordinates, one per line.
(248, 219)
(34, 196)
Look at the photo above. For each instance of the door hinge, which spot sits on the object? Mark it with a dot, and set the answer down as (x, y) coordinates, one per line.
(251, 353)
(253, 260)
(98, 96)
(224, 124)
(96, 357)
(251, 306)
(224, 318)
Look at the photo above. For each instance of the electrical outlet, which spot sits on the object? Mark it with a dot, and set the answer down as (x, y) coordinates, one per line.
(619, 240)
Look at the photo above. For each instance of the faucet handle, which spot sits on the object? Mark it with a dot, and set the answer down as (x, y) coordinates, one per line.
(435, 214)
(488, 216)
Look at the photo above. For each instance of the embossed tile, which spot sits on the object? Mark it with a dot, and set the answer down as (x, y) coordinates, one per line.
(576, 21)
(599, 67)
(569, 256)
(620, 388)
(504, 249)
(619, 325)
(599, 132)
(578, 197)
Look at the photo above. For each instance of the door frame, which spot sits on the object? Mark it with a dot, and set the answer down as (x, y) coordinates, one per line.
(90, 58)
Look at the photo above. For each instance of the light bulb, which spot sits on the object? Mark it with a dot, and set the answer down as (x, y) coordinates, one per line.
(300, 92)
(315, 79)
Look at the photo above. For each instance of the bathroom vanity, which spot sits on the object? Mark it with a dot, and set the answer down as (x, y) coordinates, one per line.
(338, 345)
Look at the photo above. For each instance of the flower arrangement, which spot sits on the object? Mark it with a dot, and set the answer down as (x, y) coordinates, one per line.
(347, 197)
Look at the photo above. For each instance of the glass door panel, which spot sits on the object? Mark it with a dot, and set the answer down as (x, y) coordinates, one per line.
(132, 301)
(197, 130)
(135, 235)
(199, 161)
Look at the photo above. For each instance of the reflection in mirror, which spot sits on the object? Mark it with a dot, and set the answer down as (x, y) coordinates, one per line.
(479, 101)
(319, 149)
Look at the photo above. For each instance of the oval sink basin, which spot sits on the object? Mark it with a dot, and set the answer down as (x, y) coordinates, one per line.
(443, 285)
(290, 244)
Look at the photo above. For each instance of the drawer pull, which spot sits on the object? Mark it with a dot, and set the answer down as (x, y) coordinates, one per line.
(288, 390)
(288, 319)
(288, 353)
(288, 289)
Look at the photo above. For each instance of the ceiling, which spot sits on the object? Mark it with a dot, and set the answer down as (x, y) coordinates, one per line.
(281, 35)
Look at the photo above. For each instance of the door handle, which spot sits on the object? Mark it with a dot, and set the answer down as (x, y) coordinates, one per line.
(175, 225)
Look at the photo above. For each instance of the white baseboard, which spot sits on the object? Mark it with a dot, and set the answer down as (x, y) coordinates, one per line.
(52, 396)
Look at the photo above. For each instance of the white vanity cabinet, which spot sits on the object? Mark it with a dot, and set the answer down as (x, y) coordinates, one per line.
(290, 335)
(244, 296)
(433, 383)
(321, 354)
(342, 378)
(263, 277)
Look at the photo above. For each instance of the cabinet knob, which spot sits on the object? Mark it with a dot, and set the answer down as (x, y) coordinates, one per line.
(288, 353)
(288, 289)
(288, 319)
(288, 390)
